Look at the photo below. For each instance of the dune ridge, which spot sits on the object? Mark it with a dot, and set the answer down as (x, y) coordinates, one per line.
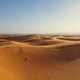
(20, 60)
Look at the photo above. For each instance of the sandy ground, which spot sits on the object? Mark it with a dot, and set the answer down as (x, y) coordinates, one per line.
(23, 61)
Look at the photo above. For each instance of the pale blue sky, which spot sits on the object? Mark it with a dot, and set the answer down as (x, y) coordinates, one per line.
(39, 16)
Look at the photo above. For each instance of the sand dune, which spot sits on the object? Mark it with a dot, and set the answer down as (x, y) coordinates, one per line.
(21, 60)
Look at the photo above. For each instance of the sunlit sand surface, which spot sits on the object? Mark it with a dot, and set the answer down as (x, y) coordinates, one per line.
(22, 59)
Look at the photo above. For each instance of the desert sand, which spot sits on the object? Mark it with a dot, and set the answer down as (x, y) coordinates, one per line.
(35, 57)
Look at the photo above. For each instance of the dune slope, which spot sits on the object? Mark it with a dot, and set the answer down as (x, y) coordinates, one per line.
(26, 62)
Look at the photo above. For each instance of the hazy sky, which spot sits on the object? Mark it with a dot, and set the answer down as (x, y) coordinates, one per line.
(40, 16)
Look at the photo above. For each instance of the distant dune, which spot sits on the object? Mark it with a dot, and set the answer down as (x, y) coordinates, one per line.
(39, 57)
(70, 38)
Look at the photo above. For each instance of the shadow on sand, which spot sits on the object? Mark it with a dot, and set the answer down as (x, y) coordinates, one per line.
(68, 53)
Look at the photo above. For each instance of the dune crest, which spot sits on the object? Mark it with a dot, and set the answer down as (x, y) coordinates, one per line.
(29, 58)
